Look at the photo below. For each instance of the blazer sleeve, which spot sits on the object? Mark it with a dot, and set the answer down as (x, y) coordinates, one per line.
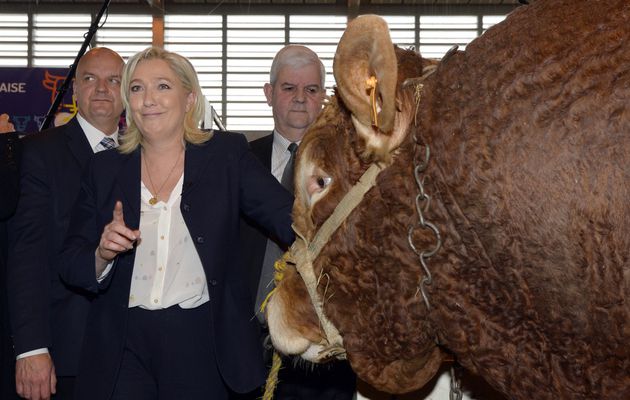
(263, 198)
(76, 264)
(29, 267)
(9, 173)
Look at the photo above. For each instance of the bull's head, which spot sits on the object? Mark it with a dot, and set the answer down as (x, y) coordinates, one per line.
(366, 275)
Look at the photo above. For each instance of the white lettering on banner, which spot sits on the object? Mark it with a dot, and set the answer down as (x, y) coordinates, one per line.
(12, 87)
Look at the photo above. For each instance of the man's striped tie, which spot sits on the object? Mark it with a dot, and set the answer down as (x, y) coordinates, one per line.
(106, 144)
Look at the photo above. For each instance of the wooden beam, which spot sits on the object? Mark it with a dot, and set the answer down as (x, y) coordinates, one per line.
(157, 10)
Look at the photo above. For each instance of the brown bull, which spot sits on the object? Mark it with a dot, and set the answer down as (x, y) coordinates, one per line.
(529, 179)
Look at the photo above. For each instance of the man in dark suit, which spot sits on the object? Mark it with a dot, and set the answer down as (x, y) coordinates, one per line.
(9, 187)
(48, 316)
(295, 93)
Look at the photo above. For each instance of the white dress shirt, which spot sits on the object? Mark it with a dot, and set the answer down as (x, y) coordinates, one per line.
(167, 270)
(280, 154)
(93, 135)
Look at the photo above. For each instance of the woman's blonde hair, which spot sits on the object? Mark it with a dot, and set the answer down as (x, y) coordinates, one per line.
(188, 77)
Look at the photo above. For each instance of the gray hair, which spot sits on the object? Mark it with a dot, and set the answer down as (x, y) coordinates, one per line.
(296, 56)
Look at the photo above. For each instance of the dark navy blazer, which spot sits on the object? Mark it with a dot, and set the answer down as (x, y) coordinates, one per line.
(44, 311)
(253, 237)
(222, 178)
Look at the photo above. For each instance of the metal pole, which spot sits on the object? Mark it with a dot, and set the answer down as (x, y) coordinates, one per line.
(66, 83)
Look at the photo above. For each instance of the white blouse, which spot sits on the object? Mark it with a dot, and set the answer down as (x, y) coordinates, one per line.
(280, 154)
(167, 269)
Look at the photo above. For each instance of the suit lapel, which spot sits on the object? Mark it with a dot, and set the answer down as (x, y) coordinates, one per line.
(197, 158)
(78, 143)
(129, 181)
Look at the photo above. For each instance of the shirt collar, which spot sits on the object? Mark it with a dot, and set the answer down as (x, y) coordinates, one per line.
(93, 135)
(280, 143)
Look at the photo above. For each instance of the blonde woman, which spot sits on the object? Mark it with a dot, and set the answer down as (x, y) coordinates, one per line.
(158, 221)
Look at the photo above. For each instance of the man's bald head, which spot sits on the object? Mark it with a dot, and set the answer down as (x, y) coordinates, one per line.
(97, 88)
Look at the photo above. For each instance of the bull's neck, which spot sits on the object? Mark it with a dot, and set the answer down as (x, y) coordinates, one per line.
(461, 252)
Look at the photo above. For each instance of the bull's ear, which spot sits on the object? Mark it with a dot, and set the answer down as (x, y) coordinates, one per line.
(365, 69)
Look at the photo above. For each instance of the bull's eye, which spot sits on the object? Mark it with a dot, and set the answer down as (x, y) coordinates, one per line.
(323, 181)
(317, 185)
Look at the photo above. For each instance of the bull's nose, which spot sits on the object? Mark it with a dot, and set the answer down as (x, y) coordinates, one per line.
(317, 353)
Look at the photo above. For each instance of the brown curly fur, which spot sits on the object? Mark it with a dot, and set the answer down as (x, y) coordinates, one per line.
(529, 131)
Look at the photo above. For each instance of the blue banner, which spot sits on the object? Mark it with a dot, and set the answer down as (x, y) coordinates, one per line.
(26, 94)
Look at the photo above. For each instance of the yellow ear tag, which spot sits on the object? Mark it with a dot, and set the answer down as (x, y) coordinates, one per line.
(372, 83)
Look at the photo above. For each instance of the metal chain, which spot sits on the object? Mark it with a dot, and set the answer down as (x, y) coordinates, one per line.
(423, 200)
(456, 387)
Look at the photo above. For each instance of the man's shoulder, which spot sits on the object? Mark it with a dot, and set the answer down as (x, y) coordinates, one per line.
(45, 136)
(51, 136)
(262, 146)
(263, 141)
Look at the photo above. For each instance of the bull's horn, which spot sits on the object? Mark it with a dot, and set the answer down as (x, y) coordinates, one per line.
(365, 69)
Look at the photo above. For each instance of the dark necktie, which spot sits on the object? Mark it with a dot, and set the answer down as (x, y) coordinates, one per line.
(273, 252)
(105, 144)
(287, 174)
